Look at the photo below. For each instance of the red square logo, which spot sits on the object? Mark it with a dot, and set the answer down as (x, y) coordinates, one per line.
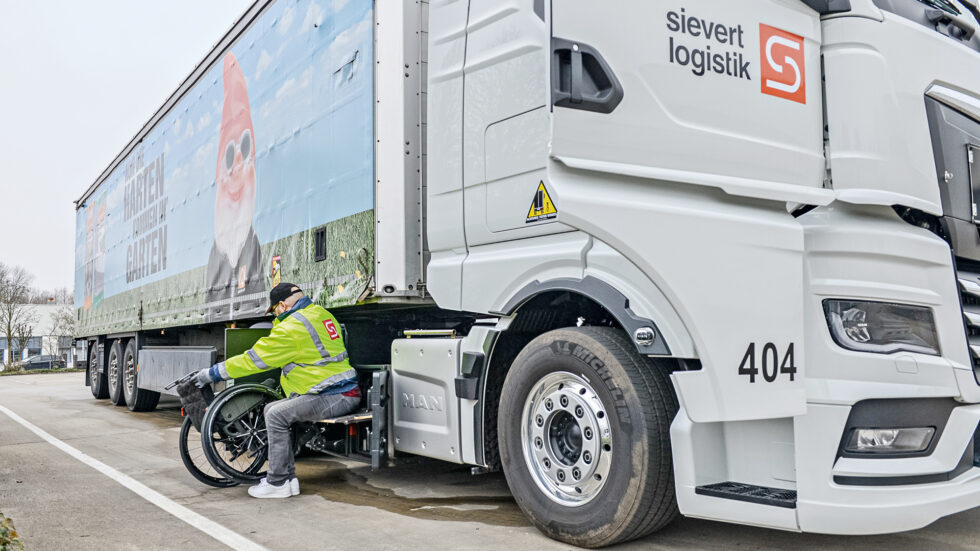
(783, 67)
(331, 329)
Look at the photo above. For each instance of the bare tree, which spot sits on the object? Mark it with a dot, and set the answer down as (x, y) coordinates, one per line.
(61, 295)
(64, 295)
(16, 316)
(38, 296)
(24, 331)
(62, 325)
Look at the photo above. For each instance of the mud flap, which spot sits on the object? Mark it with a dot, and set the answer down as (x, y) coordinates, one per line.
(378, 402)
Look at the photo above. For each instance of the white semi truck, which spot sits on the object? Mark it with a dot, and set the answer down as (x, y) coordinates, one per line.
(649, 258)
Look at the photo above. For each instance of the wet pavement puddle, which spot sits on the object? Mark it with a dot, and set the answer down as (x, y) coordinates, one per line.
(415, 487)
(337, 482)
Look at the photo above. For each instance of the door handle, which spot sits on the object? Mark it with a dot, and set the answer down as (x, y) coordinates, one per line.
(964, 31)
(581, 78)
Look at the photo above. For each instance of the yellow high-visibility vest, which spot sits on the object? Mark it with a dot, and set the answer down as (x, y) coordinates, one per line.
(307, 345)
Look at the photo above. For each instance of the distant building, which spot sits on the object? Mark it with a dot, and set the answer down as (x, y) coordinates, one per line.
(41, 341)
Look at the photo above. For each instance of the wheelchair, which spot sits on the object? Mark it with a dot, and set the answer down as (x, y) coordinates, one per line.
(223, 439)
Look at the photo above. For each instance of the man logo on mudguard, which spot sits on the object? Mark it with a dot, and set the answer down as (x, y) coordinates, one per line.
(783, 66)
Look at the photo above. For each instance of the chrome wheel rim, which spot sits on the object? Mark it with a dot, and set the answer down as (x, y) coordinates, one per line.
(129, 369)
(113, 372)
(566, 439)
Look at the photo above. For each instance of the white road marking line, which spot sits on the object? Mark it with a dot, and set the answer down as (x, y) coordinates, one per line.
(209, 527)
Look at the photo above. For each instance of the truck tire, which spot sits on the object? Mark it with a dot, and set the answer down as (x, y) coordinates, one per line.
(114, 373)
(584, 436)
(98, 382)
(137, 399)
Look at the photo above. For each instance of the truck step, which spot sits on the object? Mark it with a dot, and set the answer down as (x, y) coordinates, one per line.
(352, 419)
(762, 495)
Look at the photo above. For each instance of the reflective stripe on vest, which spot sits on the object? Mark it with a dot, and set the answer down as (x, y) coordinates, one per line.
(332, 380)
(327, 358)
(257, 360)
(290, 366)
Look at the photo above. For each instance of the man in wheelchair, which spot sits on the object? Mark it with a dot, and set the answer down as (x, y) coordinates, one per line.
(317, 378)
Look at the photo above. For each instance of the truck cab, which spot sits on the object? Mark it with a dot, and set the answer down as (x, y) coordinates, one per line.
(770, 200)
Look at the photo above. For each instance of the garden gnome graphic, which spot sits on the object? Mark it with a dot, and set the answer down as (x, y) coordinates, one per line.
(234, 276)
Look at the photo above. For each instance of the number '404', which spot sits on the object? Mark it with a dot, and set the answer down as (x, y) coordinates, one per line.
(769, 360)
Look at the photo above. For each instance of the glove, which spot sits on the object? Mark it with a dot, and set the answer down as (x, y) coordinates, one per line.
(203, 378)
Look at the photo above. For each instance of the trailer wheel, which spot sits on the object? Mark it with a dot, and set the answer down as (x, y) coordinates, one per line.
(583, 429)
(98, 382)
(137, 399)
(114, 373)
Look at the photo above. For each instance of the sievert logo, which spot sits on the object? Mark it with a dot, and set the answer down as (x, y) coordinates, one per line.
(420, 401)
(729, 61)
(783, 69)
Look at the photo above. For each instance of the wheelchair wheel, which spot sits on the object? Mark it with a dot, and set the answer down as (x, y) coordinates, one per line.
(233, 435)
(192, 454)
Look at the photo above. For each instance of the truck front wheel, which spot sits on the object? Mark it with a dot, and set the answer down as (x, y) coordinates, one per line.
(584, 437)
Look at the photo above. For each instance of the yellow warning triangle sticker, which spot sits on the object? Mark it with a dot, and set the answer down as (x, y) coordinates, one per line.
(542, 207)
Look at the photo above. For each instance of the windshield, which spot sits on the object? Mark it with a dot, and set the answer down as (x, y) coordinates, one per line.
(944, 5)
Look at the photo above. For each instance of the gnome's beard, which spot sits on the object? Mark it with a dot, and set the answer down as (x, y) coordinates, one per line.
(231, 224)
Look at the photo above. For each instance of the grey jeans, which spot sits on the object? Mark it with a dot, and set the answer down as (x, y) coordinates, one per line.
(280, 416)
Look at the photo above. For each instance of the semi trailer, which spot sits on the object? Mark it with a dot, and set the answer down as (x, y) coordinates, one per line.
(698, 257)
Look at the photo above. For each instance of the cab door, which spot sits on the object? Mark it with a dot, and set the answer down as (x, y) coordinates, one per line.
(507, 122)
(680, 131)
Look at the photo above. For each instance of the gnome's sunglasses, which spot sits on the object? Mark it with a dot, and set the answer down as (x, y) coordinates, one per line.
(244, 146)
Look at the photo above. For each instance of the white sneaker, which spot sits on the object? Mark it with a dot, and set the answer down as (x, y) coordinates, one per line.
(265, 490)
(294, 486)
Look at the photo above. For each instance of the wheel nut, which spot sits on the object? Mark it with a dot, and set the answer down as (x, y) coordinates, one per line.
(546, 462)
(576, 474)
(561, 476)
(587, 433)
(579, 412)
(537, 442)
(548, 404)
(563, 400)
(587, 457)
(539, 420)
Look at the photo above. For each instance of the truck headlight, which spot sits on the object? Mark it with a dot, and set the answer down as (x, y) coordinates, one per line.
(889, 440)
(881, 327)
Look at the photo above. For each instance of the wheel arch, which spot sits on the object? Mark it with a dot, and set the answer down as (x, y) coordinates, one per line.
(595, 291)
(544, 306)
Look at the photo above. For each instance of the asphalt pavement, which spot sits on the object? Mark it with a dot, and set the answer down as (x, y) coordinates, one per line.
(94, 476)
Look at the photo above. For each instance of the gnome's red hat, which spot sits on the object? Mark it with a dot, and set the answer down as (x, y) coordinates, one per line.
(236, 116)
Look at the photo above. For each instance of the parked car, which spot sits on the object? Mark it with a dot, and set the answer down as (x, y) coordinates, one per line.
(43, 361)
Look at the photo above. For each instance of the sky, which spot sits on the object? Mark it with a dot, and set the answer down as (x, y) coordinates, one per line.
(77, 81)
